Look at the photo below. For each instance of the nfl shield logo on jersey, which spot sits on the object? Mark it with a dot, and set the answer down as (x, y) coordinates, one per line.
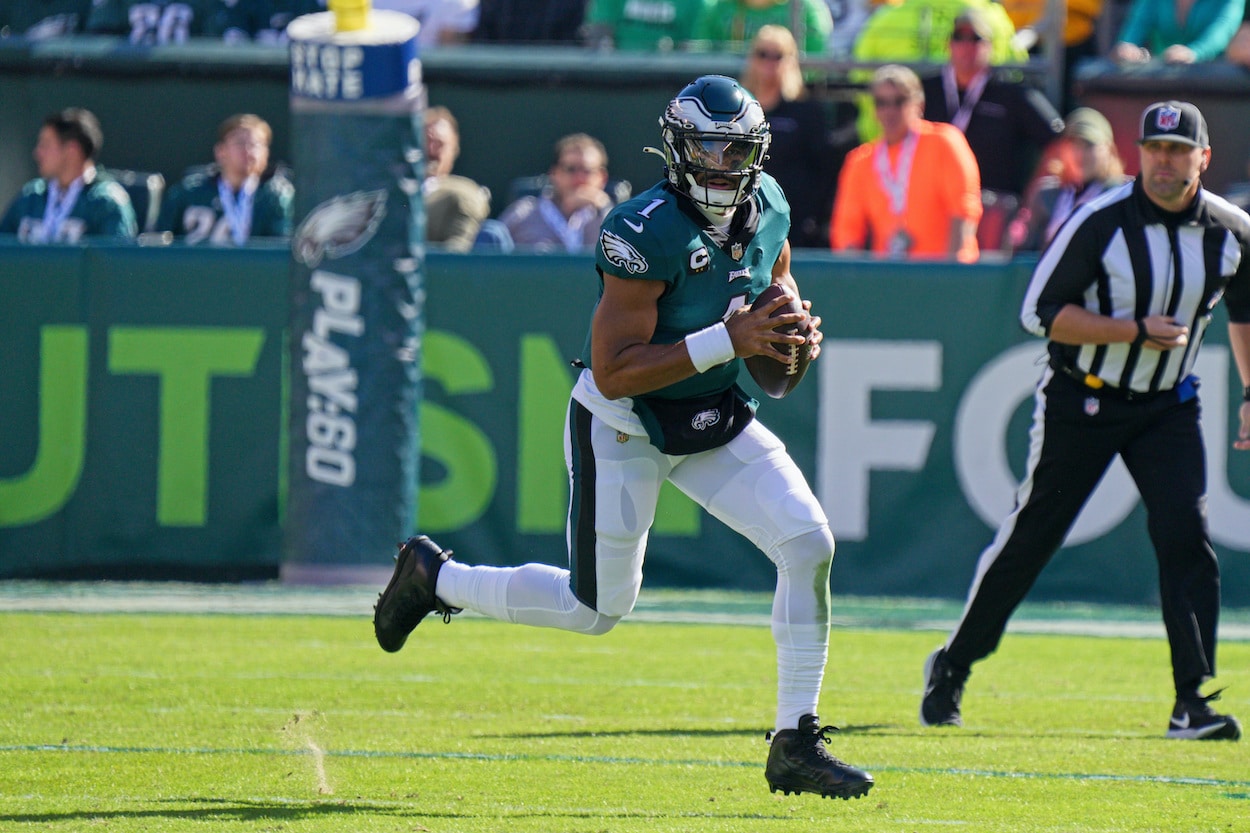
(1091, 406)
(1167, 118)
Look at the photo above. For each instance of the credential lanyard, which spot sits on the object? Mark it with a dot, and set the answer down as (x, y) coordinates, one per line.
(961, 113)
(895, 185)
(61, 202)
(238, 210)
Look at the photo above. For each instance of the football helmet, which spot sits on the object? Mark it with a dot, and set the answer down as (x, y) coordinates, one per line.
(715, 142)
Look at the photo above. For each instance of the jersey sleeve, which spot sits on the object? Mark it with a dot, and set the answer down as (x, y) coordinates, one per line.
(633, 244)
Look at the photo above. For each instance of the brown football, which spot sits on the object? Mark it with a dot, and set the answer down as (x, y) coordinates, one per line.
(779, 378)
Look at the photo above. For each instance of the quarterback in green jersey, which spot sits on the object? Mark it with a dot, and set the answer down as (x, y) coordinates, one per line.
(71, 199)
(658, 401)
(234, 200)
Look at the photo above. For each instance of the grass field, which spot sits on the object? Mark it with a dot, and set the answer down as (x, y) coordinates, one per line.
(248, 722)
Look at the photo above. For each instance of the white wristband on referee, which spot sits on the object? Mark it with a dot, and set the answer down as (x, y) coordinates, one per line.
(710, 346)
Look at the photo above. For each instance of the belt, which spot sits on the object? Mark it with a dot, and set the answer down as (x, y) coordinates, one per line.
(1100, 387)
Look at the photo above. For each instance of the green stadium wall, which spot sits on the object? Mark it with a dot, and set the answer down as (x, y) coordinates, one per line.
(141, 424)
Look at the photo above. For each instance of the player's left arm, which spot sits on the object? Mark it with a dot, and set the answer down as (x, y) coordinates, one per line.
(782, 275)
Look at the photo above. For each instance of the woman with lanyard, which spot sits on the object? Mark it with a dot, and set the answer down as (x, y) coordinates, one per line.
(233, 201)
(914, 192)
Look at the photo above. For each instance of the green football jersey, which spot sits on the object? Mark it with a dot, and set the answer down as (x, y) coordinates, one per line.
(193, 210)
(103, 209)
(151, 22)
(38, 19)
(661, 236)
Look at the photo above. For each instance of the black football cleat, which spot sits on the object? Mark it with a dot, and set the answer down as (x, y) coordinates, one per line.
(798, 762)
(409, 597)
(943, 689)
(1194, 719)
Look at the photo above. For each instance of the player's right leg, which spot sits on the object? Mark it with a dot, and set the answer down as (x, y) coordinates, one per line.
(754, 486)
(616, 480)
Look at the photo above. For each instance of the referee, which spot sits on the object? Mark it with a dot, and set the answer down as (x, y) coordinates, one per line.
(1124, 293)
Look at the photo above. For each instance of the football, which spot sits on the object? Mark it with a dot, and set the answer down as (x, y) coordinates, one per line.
(776, 378)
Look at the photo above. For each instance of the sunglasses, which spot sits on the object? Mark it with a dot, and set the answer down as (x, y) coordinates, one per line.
(767, 55)
(883, 103)
(966, 37)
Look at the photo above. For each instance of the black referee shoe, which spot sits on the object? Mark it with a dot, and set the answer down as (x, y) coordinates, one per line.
(943, 689)
(799, 763)
(1194, 719)
(409, 597)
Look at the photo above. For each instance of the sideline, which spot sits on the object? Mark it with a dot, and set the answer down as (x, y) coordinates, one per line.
(667, 606)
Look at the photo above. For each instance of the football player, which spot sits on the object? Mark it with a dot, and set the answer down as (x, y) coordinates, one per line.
(72, 198)
(658, 400)
(235, 200)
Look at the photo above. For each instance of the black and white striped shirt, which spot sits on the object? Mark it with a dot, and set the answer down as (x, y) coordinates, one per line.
(1122, 256)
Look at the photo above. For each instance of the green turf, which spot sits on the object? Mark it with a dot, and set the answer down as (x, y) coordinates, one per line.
(134, 722)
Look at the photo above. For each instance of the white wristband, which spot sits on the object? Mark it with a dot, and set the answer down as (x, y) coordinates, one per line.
(710, 346)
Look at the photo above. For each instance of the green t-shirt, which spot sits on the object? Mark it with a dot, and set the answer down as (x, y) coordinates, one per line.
(646, 25)
(728, 25)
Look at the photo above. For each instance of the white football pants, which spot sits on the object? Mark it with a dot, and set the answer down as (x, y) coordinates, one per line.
(750, 484)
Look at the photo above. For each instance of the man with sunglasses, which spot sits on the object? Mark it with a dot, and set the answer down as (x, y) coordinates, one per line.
(916, 191)
(1007, 124)
(658, 401)
(566, 216)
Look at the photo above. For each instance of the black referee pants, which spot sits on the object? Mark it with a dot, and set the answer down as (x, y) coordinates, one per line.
(1160, 441)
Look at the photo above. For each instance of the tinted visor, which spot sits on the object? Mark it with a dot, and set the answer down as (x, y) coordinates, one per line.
(721, 155)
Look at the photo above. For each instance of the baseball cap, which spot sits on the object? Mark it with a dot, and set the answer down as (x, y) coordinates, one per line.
(1174, 121)
(1090, 125)
(972, 18)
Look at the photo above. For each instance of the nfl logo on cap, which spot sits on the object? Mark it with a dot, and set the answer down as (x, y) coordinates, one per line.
(1174, 121)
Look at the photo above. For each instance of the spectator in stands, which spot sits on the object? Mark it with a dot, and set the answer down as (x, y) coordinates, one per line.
(801, 157)
(43, 19)
(1078, 31)
(568, 213)
(530, 21)
(1007, 124)
(455, 206)
(919, 31)
(655, 26)
(71, 199)
(729, 25)
(1238, 51)
(152, 22)
(261, 21)
(1054, 198)
(915, 191)
(443, 22)
(238, 198)
(1178, 31)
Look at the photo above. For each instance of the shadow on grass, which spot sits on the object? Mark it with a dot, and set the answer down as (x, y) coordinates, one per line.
(243, 810)
(216, 809)
(674, 733)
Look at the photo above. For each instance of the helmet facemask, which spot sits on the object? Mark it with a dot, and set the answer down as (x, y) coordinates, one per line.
(715, 144)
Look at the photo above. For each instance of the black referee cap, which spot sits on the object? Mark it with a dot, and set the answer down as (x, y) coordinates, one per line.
(1174, 121)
